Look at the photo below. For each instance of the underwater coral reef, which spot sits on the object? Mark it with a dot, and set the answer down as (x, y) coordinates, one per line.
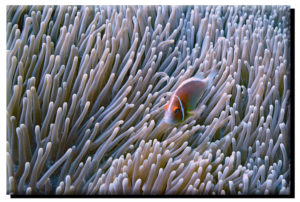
(87, 86)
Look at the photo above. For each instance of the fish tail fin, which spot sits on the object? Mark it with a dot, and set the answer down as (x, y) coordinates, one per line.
(211, 77)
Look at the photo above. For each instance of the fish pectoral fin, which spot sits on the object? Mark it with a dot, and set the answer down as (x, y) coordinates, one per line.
(198, 111)
(192, 113)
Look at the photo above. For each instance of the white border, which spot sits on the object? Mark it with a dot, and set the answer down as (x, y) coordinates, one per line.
(152, 2)
(293, 4)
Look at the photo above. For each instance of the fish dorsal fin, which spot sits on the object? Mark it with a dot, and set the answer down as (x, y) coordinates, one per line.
(199, 75)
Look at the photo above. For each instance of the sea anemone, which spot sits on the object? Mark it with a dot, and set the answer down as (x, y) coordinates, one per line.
(87, 85)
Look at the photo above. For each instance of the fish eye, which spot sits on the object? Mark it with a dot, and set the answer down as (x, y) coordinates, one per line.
(176, 110)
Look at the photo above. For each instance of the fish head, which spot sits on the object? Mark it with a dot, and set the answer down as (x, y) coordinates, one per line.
(173, 112)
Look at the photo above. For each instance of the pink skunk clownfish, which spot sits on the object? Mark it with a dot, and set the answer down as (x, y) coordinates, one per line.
(183, 101)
